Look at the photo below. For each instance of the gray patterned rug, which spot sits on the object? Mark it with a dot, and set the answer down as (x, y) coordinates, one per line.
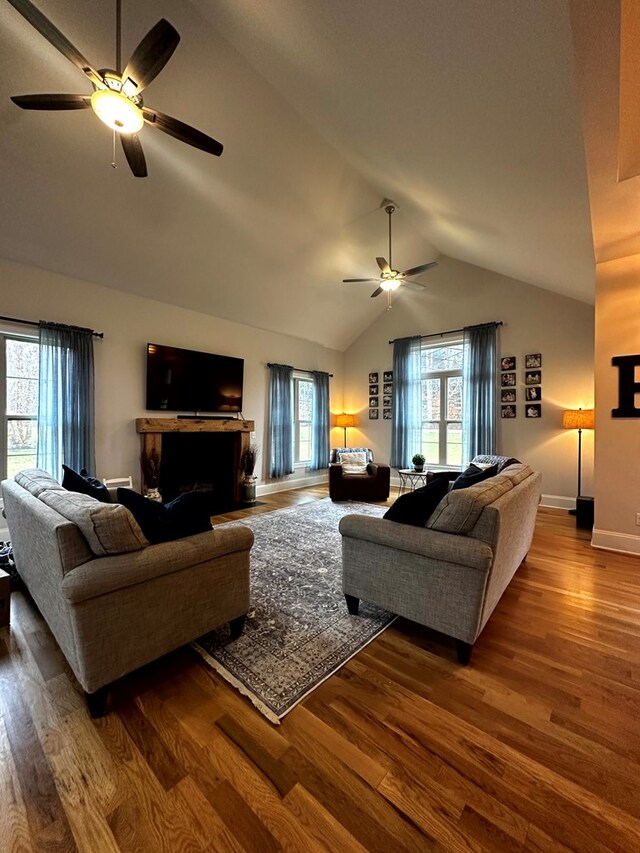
(299, 631)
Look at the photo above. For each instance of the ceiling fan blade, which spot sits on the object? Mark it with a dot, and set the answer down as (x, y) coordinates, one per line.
(53, 35)
(134, 154)
(182, 131)
(421, 268)
(52, 102)
(377, 292)
(345, 280)
(384, 266)
(413, 285)
(151, 55)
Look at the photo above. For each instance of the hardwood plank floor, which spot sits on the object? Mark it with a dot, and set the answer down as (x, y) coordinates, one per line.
(533, 747)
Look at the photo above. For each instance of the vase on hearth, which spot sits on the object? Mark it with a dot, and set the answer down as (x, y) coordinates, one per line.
(249, 489)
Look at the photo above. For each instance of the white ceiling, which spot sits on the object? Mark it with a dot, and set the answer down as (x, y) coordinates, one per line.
(465, 113)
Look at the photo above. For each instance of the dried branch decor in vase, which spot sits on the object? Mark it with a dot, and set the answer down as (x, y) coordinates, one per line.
(248, 464)
(150, 464)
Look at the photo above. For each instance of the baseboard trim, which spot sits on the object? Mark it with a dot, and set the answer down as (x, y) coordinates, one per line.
(623, 543)
(558, 502)
(294, 483)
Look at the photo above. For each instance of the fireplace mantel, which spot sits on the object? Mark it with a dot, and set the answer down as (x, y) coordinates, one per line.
(152, 430)
(159, 425)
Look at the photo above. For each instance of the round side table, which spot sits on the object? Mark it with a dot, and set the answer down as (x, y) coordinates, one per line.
(411, 479)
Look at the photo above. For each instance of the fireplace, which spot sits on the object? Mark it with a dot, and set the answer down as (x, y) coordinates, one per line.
(198, 455)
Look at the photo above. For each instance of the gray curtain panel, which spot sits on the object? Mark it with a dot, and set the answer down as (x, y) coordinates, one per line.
(407, 415)
(280, 420)
(66, 400)
(320, 420)
(480, 379)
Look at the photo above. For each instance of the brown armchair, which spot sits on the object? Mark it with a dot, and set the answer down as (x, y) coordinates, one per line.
(372, 486)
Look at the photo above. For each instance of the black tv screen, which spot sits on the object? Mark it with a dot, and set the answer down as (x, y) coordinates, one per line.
(183, 380)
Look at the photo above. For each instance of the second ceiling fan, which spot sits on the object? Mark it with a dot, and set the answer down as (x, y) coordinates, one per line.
(117, 97)
(390, 279)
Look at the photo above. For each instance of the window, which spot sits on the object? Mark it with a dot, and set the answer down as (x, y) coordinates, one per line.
(19, 359)
(441, 399)
(302, 419)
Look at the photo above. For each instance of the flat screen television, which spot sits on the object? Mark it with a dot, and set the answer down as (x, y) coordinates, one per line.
(183, 380)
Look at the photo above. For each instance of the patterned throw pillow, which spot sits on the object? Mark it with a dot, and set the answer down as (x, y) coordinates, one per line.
(354, 462)
(337, 453)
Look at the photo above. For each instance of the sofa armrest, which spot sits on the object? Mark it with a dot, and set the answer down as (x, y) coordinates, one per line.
(335, 472)
(445, 547)
(107, 574)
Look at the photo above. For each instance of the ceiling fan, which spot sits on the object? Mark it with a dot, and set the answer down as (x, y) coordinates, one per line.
(391, 279)
(117, 98)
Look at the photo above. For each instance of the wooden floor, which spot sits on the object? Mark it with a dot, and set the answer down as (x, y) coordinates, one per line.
(535, 746)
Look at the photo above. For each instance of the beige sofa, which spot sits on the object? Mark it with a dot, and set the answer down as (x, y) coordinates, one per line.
(450, 574)
(112, 601)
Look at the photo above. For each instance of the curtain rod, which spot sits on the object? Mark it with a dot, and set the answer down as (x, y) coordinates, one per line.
(450, 332)
(32, 323)
(273, 364)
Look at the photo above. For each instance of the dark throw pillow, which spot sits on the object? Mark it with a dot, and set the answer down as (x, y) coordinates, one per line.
(186, 515)
(474, 475)
(84, 485)
(416, 507)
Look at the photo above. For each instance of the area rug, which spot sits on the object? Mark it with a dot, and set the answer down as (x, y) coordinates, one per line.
(299, 631)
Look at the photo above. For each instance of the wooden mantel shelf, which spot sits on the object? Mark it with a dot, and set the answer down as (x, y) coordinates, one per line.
(155, 425)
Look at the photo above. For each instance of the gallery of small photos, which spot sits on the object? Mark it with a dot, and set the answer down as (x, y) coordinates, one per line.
(387, 395)
(532, 386)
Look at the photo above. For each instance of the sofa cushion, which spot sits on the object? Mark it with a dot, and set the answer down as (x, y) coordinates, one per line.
(472, 475)
(85, 485)
(36, 481)
(518, 473)
(108, 528)
(416, 507)
(187, 515)
(354, 462)
(459, 510)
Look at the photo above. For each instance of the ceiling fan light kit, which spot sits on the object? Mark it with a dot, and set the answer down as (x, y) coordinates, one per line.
(117, 99)
(117, 111)
(391, 279)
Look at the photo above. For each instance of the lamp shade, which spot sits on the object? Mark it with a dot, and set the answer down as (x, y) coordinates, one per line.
(578, 419)
(344, 420)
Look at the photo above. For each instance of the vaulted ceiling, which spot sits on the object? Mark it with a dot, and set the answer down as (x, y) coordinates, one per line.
(466, 114)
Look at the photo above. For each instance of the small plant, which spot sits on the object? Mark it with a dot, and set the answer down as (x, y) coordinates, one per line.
(248, 460)
(418, 460)
(150, 464)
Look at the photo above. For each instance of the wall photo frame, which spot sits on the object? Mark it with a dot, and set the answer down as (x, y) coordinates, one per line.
(532, 377)
(533, 410)
(387, 376)
(508, 395)
(508, 362)
(533, 394)
(373, 389)
(508, 379)
(533, 360)
(373, 377)
(373, 402)
(373, 414)
(507, 411)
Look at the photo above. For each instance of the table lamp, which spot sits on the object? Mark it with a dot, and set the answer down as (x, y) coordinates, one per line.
(345, 421)
(578, 419)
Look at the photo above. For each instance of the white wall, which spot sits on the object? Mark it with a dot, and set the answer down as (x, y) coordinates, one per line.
(128, 323)
(535, 320)
(617, 439)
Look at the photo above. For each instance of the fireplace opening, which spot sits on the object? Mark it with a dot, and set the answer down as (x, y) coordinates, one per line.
(200, 461)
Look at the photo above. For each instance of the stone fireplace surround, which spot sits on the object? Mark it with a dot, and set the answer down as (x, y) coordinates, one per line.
(198, 454)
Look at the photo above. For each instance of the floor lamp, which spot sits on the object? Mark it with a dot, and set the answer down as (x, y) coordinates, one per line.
(345, 421)
(578, 419)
